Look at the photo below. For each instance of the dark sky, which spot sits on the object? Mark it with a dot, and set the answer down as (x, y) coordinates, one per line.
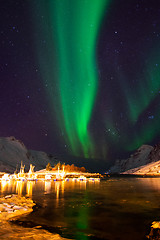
(51, 51)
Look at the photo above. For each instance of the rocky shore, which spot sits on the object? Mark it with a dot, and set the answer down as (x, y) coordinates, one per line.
(12, 207)
(154, 231)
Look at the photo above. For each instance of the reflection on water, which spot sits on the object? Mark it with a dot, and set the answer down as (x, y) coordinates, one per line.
(82, 219)
(147, 182)
(47, 186)
(112, 209)
(4, 185)
(19, 187)
(8, 186)
(54, 196)
(29, 188)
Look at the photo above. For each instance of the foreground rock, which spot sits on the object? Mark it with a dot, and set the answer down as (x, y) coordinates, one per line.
(13, 206)
(155, 231)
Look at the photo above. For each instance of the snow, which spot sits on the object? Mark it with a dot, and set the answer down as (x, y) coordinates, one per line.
(148, 169)
(139, 158)
(13, 151)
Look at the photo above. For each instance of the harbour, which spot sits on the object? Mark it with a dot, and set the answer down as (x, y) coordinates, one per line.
(48, 175)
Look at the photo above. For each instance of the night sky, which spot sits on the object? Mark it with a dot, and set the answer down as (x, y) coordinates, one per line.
(81, 78)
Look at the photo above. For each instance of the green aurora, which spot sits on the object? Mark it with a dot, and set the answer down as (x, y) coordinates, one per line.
(71, 60)
(68, 65)
(76, 39)
(146, 93)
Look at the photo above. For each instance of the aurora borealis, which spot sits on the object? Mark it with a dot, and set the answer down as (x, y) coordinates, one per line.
(81, 78)
(75, 40)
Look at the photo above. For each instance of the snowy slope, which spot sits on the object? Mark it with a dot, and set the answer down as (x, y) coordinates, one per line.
(139, 158)
(153, 166)
(13, 151)
(148, 169)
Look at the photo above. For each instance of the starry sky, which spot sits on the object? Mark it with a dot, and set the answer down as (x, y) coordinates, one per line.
(81, 78)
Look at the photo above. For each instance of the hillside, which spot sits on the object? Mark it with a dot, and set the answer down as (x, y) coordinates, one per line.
(13, 151)
(148, 169)
(145, 161)
(140, 158)
(153, 166)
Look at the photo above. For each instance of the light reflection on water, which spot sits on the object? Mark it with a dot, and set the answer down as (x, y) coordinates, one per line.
(47, 186)
(27, 187)
(121, 208)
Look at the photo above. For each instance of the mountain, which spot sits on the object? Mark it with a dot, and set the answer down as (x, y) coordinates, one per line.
(140, 158)
(146, 160)
(13, 151)
(153, 165)
(152, 168)
(155, 153)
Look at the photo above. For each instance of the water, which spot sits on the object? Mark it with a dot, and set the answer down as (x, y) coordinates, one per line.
(113, 209)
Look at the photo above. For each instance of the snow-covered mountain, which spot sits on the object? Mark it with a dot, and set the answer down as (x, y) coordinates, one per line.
(146, 160)
(13, 151)
(152, 168)
(153, 165)
(140, 158)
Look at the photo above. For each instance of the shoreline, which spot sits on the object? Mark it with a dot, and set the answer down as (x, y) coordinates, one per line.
(12, 207)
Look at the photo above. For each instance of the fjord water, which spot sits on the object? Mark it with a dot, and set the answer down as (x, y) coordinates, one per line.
(116, 208)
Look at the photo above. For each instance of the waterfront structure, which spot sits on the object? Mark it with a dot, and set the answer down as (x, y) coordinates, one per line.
(31, 175)
(56, 175)
(21, 174)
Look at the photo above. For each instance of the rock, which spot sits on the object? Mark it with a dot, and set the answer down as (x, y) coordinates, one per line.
(17, 207)
(155, 231)
(7, 205)
(9, 210)
(9, 231)
(14, 206)
(8, 196)
(155, 225)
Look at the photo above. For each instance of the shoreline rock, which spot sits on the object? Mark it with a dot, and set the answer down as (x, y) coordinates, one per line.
(155, 231)
(12, 207)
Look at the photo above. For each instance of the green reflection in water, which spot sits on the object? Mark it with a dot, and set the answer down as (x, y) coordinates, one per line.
(82, 219)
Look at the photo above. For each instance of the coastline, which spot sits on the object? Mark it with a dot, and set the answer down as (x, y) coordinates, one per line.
(13, 207)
